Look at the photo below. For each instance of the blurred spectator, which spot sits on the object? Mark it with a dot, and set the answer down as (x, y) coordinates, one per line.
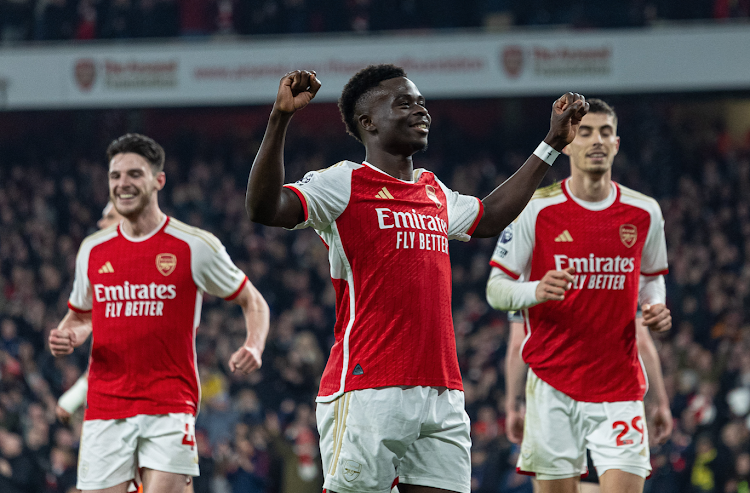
(117, 19)
(257, 432)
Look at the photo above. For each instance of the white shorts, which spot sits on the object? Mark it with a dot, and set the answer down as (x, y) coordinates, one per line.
(558, 430)
(370, 437)
(111, 448)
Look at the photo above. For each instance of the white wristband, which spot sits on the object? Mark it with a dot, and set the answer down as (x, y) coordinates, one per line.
(546, 153)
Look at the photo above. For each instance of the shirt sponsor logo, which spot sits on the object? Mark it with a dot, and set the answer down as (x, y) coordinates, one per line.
(166, 263)
(596, 264)
(437, 241)
(127, 291)
(628, 234)
(615, 269)
(134, 300)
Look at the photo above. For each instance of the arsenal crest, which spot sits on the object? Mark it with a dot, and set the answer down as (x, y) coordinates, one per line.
(430, 190)
(512, 59)
(165, 263)
(628, 234)
(85, 72)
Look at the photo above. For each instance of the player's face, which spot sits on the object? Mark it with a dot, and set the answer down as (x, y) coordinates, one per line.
(400, 116)
(110, 216)
(596, 144)
(132, 183)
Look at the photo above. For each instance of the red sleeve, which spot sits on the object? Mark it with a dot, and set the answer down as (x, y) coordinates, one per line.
(476, 221)
(301, 199)
(505, 269)
(237, 292)
(76, 309)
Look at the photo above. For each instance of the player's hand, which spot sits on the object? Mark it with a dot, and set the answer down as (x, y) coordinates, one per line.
(567, 113)
(62, 415)
(62, 341)
(514, 425)
(554, 284)
(246, 359)
(296, 90)
(657, 317)
(661, 424)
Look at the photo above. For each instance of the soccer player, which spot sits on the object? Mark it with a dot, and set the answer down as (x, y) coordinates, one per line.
(138, 287)
(515, 373)
(390, 404)
(75, 396)
(578, 260)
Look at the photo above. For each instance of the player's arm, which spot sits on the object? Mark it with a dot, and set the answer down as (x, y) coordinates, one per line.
(73, 398)
(507, 294)
(257, 319)
(515, 371)
(507, 201)
(72, 331)
(652, 295)
(662, 416)
(267, 201)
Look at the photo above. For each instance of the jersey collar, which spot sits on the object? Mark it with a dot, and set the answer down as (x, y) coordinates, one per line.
(614, 193)
(161, 226)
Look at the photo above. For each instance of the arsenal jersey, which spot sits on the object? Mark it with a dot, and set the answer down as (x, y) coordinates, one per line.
(584, 346)
(144, 295)
(387, 243)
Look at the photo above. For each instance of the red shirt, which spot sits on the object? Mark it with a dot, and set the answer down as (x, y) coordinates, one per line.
(388, 248)
(145, 296)
(585, 345)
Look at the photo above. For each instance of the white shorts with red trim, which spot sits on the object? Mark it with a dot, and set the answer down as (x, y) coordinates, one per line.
(111, 449)
(373, 438)
(558, 430)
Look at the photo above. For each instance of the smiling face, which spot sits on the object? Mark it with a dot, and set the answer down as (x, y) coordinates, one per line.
(132, 184)
(595, 146)
(396, 117)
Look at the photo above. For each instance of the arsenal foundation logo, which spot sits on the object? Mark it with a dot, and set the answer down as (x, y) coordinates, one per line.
(628, 234)
(512, 59)
(165, 263)
(85, 73)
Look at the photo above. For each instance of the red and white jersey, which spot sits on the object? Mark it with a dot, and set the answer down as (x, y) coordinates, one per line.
(585, 345)
(145, 295)
(387, 243)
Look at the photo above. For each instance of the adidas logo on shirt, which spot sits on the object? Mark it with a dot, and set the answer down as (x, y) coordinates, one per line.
(564, 237)
(106, 268)
(384, 194)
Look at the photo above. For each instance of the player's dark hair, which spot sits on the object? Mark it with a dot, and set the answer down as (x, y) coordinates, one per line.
(596, 105)
(361, 83)
(141, 145)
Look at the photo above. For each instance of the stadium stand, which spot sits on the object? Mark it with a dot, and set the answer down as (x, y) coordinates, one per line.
(257, 433)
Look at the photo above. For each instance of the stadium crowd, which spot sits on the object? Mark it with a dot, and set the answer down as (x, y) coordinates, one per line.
(257, 433)
(118, 19)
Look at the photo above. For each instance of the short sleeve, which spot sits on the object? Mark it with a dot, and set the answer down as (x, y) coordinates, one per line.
(515, 246)
(213, 270)
(654, 257)
(464, 213)
(324, 195)
(81, 299)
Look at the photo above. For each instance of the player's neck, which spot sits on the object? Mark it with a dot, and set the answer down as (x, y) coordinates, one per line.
(399, 167)
(591, 188)
(144, 223)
